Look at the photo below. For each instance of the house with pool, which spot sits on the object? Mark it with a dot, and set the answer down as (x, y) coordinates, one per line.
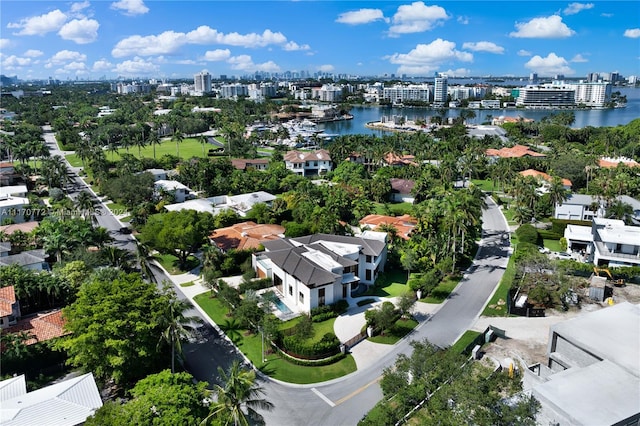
(321, 269)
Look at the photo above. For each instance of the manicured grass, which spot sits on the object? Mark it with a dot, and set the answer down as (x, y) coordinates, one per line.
(170, 263)
(464, 341)
(497, 305)
(401, 328)
(74, 160)
(442, 290)
(553, 245)
(116, 208)
(396, 209)
(189, 147)
(486, 185)
(189, 284)
(389, 284)
(251, 345)
(509, 214)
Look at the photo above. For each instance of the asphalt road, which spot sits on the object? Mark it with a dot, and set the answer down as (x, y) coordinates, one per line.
(346, 400)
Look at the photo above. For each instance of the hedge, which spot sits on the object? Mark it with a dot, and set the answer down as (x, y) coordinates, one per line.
(255, 285)
(327, 346)
(527, 234)
(311, 363)
(325, 312)
(559, 225)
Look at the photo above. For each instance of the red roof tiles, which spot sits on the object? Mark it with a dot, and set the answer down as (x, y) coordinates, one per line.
(516, 151)
(542, 175)
(7, 299)
(41, 327)
(245, 235)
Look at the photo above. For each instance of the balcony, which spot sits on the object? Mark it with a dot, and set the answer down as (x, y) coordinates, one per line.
(604, 252)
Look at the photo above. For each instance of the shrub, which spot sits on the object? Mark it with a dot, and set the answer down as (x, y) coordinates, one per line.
(527, 234)
(255, 285)
(325, 312)
(548, 235)
(325, 347)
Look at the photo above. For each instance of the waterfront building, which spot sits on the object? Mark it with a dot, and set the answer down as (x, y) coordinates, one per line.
(202, 82)
(556, 94)
(592, 94)
(440, 89)
(233, 91)
(414, 92)
(327, 93)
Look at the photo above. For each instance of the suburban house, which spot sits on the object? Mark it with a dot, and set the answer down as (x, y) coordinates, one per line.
(158, 174)
(321, 269)
(403, 224)
(13, 208)
(517, 151)
(179, 191)
(606, 242)
(612, 163)
(256, 163)
(402, 190)
(593, 372)
(34, 260)
(14, 191)
(40, 327)
(67, 403)
(313, 163)
(25, 227)
(392, 159)
(578, 207)
(8, 175)
(544, 179)
(9, 307)
(241, 204)
(245, 236)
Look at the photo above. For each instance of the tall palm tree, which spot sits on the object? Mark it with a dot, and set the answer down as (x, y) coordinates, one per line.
(240, 392)
(177, 137)
(144, 257)
(175, 324)
(85, 203)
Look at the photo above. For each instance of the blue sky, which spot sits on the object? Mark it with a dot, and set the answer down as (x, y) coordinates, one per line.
(169, 39)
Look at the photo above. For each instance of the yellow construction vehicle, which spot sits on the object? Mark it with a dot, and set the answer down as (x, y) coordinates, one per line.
(618, 283)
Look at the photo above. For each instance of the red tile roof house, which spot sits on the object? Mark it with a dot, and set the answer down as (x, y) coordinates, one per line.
(256, 163)
(404, 224)
(612, 163)
(41, 327)
(517, 151)
(308, 163)
(245, 235)
(9, 307)
(545, 177)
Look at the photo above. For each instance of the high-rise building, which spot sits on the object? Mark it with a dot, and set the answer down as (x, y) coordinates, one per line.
(202, 82)
(594, 94)
(546, 95)
(440, 89)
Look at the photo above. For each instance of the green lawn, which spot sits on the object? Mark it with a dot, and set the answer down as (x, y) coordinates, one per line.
(389, 284)
(401, 328)
(442, 290)
(116, 208)
(464, 341)
(486, 185)
(395, 209)
(274, 366)
(553, 245)
(497, 305)
(170, 263)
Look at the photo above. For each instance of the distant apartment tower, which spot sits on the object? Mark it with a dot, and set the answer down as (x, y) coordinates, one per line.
(440, 89)
(592, 77)
(202, 82)
(414, 92)
(234, 91)
(594, 94)
(533, 77)
(546, 95)
(327, 93)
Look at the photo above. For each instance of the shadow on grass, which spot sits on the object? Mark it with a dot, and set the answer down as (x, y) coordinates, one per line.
(233, 330)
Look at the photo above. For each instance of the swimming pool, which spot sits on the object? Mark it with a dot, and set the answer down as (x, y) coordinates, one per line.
(281, 306)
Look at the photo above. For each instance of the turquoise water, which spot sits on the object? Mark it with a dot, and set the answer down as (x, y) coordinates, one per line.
(282, 307)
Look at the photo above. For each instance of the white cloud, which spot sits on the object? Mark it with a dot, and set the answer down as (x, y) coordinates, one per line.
(293, 46)
(416, 17)
(33, 53)
(460, 72)
(326, 68)
(362, 16)
(464, 20)
(550, 65)
(136, 67)
(130, 7)
(574, 8)
(40, 25)
(82, 31)
(606, 15)
(101, 65)
(484, 46)
(13, 62)
(217, 55)
(632, 33)
(75, 66)
(550, 27)
(169, 42)
(245, 63)
(4, 43)
(425, 58)
(77, 7)
(579, 58)
(64, 56)
(523, 52)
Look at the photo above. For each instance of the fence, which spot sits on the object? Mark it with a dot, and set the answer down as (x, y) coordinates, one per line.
(355, 340)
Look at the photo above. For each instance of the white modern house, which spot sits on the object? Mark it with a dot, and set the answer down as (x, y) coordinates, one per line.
(578, 207)
(606, 242)
(180, 191)
(308, 163)
(241, 204)
(321, 269)
(13, 208)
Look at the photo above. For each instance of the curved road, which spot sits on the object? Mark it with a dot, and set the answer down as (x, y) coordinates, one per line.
(346, 400)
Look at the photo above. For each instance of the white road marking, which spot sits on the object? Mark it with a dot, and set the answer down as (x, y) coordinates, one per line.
(324, 398)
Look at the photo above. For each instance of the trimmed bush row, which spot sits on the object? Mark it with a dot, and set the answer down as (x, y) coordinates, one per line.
(325, 312)
(327, 346)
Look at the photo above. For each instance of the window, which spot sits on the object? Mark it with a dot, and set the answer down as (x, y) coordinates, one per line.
(368, 274)
(290, 290)
(321, 297)
(300, 297)
(368, 259)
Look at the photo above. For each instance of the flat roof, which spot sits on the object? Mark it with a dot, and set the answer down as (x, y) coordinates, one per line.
(622, 235)
(611, 333)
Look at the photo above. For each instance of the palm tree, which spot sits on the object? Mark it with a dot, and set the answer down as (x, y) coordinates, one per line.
(117, 257)
(85, 203)
(203, 140)
(177, 137)
(144, 257)
(557, 192)
(176, 326)
(240, 391)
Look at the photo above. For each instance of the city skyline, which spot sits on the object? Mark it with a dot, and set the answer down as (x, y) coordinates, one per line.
(170, 39)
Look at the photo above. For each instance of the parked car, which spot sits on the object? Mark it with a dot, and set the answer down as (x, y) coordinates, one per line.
(561, 255)
(544, 250)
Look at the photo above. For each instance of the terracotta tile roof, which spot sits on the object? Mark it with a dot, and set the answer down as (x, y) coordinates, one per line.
(612, 163)
(400, 160)
(24, 227)
(515, 152)
(41, 327)
(542, 175)
(245, 235)
(404, 224)
(302, 156)
(242, 164)
(7, 299)
(403, 186)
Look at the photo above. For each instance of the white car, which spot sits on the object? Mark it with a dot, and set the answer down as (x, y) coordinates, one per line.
(544, 250)
(561, 256)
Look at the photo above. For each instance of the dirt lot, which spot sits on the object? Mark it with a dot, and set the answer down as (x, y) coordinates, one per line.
(527, 337)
